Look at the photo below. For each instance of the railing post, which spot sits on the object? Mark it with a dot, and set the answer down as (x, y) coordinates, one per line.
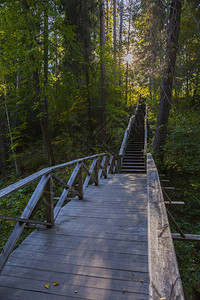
(48, 193)
(105, 167)
(112, 162)
(120, 162)
(96, 172)
(80, 182)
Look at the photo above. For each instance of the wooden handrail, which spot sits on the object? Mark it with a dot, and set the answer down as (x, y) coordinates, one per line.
(145, 131)
(101, 164)
(160, 242)
(21, 183)
(131, 123)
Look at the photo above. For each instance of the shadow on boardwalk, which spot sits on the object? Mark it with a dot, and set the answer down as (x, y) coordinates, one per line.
(97, 249)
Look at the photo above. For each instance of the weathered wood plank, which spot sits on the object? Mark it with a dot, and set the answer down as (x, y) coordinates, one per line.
(121, 264)
(70, 288)
(163, 269)
(82, 280)
(187, 237)
(101, 235)
(76, 270)
(65, 192)
(24, 220)
(115, 246)
(48, 193)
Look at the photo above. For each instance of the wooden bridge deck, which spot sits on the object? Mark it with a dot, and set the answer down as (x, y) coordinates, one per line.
(97, 250)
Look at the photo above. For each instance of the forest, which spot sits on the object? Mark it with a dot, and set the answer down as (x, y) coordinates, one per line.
(72, 72)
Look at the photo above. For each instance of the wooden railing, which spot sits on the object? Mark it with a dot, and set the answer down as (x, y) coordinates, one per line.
(145, 131)
(131, 123)
(82, 175)
(164, 277)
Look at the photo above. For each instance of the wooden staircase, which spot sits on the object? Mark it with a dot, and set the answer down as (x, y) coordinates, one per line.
(134, 160)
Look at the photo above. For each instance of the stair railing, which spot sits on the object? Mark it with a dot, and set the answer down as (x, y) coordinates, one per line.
(132, 122)
(81, 177)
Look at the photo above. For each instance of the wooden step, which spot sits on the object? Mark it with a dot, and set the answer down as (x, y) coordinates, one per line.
(132, 171)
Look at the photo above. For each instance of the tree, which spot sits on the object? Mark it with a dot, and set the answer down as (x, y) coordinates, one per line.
(103, 68)
(167, 82)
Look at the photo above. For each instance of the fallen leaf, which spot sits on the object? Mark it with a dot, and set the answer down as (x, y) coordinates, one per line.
(73, 217)
(56, 283)
(56, 229)
(47, 286)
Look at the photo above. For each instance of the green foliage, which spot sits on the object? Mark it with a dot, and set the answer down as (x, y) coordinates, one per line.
(183, 144)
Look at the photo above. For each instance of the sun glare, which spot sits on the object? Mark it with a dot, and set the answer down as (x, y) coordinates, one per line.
(129, 58)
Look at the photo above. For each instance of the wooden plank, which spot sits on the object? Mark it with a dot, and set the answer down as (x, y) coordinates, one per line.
(105, 221)
(24, 220)
(84, 281)
(82, 214)
(102, 235)
(48, 193)
(126, 263)
(187, 237)
(60, 181)
(96, 171)
(124, 142)
(80, 181)
(65, 192)
(76, 270)
(175, 202)
(163, 269)
(69, 289)
(20, 226)
(60, 202)
(128, 247)
(89, 176)
(10, 293)
(66, 252)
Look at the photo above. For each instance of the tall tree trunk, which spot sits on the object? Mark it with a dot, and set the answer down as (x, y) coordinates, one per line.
(87, 77)
(121, 21)
(128, 46)
(114, 30)
(157, 17)
(103, 69)
(120, 37)
(167, 82)
(2, 144)
(44, 119)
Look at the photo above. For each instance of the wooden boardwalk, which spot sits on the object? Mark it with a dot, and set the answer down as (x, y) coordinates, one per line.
(97, 250)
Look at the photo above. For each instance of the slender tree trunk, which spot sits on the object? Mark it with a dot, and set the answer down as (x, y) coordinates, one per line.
(87, 77)
(2, 144)
(157, 17)
(114, 30)
(44, 119)
(120, 38)
(9, 129)
(128, 46)
(103, 69)
(167, 82)
(107, 17)
(121, 21)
